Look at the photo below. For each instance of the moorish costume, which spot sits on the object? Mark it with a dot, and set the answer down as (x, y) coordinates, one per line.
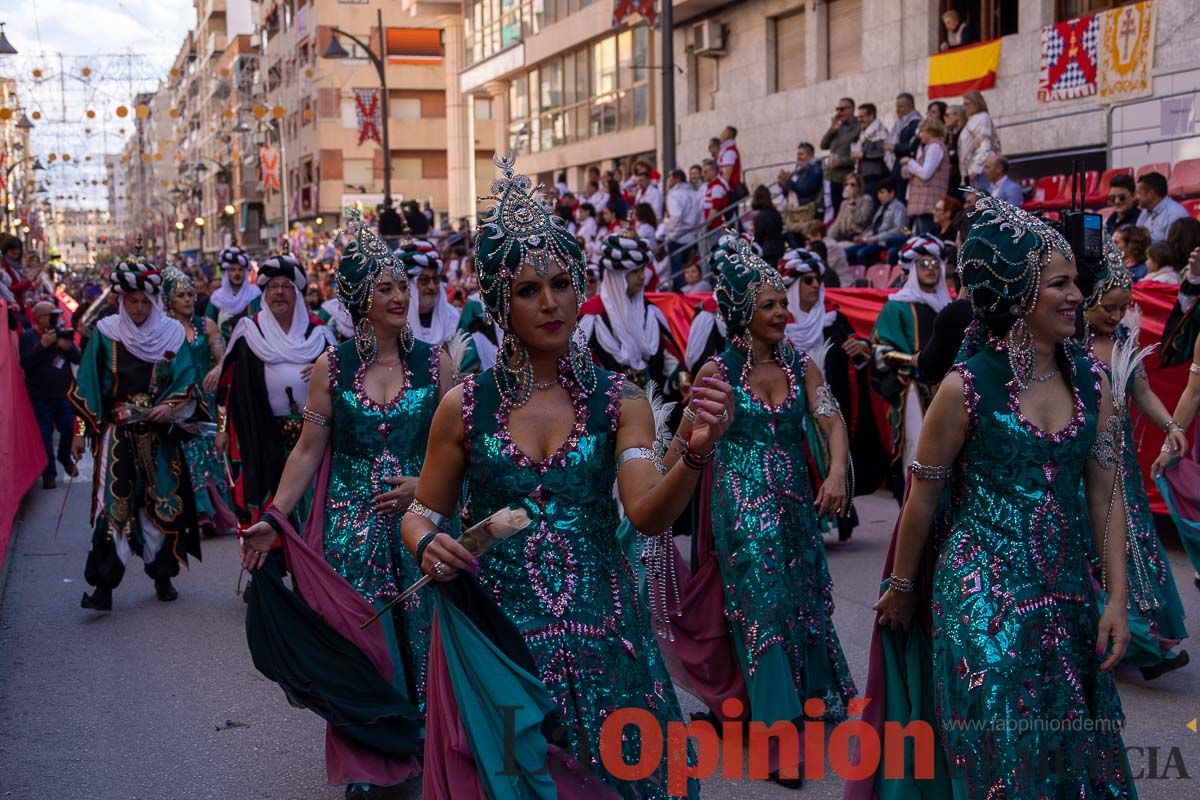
(227, 306)
(437, 326)
(142, 499)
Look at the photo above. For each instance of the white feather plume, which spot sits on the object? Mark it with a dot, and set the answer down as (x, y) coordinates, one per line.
(662, 412)
(456, 348)
(1133, 321)
(818, 355)
(1126, 358)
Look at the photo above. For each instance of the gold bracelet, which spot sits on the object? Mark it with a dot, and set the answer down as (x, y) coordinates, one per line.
(80, 427)
(222, 421)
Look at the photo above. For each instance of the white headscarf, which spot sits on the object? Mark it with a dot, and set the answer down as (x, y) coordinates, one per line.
(231, 303)
(269, 342)
(151, 340)
(698, 335)
(340, 317)
(806, 331)
(632, 335)
(914, 249)
(443, 324)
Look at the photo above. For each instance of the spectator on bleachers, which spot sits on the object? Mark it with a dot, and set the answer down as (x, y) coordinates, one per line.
(955, 118)
(903, 140)
(596, 197)
(646, 224)
(696, 178)
(694, 281)
(835, 257)
(1158, 264)
(683, 220)
(803, 189)
(937, 110)
(561, 184)
(886, 230)
(843, 131)
(928, 173)
(647, 189)
(1158, 210)
(714, 148)
(870, 148)
(858, 208)
(978, 141)
(959, 32)
(1002, 186)
(616, 200)
(768, 225)
(716, 196)
(1122, 200)
(1133, 242)
(585, 222)
(945, 217)
(1183, 237)
(729, 159)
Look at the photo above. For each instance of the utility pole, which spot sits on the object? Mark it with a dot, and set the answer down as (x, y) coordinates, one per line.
(668, 88)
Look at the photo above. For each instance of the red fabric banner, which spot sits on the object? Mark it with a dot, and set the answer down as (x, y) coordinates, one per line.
(21, 449)
(861, 307)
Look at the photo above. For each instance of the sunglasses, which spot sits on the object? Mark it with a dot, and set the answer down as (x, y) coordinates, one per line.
(844, 108)
(928, 263)
(808, 279)
(1113, 199)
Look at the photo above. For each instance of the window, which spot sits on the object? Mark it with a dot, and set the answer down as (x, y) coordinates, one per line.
(414, 45)
(1070, 9)
(987, 19)
(789, 51)
(358, 172)
(490, 26)
(704, 79)
(404, 107)
(845, 38)
(406, 169)
(483, 108)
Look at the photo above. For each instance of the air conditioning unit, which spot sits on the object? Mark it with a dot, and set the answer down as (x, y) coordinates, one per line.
(708, 38)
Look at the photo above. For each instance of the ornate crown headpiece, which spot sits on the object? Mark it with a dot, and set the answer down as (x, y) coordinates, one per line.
(742, 274)
(364, 258)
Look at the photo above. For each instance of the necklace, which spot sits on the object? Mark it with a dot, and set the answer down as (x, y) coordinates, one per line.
(1043, 378)
(754, 362)
(388, 364)
(544, 386)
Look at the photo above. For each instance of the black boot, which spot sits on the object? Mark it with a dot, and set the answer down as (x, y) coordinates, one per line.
(48, 482)
(1171, 664)
(98, 600)
(165, 591)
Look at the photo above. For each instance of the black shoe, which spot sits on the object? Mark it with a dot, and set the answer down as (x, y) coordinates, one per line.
(355, 792)
(49, 483)
(165, 591)
(845, 530)
(98, 600)
(789, 783)
(1181, 659)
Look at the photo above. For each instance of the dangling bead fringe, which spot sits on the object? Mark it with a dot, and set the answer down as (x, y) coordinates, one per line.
(365, 343)
(406, 339)
(1022, 357)
(582, 366)
(514, 370)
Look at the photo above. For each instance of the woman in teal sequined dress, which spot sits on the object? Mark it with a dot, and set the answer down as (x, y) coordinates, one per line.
(214, 505)
(554, 631)
(369, 409)
(1023, 698)
(778, 592)
(1155, 611)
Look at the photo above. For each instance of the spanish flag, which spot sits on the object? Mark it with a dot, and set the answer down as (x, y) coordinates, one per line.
(964, 69)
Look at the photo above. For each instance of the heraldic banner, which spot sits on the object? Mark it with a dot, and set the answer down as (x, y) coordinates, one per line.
(370, 114)
(623, 9)
(268, 164)
(1069, 59)
(1127, 52)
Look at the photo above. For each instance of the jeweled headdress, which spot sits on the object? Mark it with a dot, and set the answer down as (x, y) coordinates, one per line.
(741, 275)
(1115, 274)
(364, 258)
(174, 280)
(1001, 261)
(520, 228)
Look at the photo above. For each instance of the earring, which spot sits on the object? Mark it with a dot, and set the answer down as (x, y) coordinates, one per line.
(742, 341)
(406, 339)
(580, 359)
(514, 371)
(365, 343)
(1022, 356)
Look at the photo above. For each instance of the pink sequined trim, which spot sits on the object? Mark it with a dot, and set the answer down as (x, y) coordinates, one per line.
(558, 457)
(468, 408)
(788, 372)
(331, 357)
(360, 389)
(435, 365)
(614, 402)
(970, 397)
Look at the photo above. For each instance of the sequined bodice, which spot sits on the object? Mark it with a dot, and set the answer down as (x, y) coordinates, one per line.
(371, 442)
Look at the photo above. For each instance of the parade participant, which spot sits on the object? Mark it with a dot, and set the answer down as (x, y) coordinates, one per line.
(763, 512)
(434, 321)
(333, 312)
(1155, 611)
(624, 331)
(264, 384)
(706, 336)
(210, 484)
(237, 296)
(135, 379)
(370, 405)
(547, 431)
(483, 337)
(816, 327)
(900, 333)
(992, 563)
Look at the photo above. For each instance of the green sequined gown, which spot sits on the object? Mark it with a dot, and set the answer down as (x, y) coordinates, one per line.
(1017, 681)
(778, 592)
(565, 581)
(214, 503)
(372, 442)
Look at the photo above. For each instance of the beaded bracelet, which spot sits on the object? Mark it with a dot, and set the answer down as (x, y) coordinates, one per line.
(1169, 424)
(693, 460)
(902, 585)
(424, 543)
(315, 418)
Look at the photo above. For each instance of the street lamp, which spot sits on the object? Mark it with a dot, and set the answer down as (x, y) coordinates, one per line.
(229, 209)
(199, 222)
(336, 51)
(23, 124)
(6, 49)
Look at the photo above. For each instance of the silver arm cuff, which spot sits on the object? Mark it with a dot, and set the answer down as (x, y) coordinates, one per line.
(926, 472)
(422, 510)
(636, 454)
(827, 404)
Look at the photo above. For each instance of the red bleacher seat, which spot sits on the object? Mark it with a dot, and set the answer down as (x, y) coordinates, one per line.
(1047, 186)
(1185, 178)
(1193, 206)
(1162, 168)
(878, 275)
(1063, 201)
(1099, 197)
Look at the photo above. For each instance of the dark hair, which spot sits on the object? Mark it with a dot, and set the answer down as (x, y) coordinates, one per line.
(869, 108)
(1183, 237)
(761, 198)
(12, 243)
(907, 96)
(1161, 253)
(588, 207)
(940, 106)
(714, 140)
(679, 175)
(1155, 182)
(1137, 241)
(953, 206)
(887, 184)
(849, 100)
(1123, 181)
(562, 176)
(644, 212)
(806, 145)
(1002, 163)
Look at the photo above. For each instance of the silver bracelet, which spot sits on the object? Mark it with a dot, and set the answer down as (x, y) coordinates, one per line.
(827, 404)
(315, 418)
(1194, 368)
(635, 454)
(689, 414)
(929, 473)
(422, 510)
(1170, 423)
(902, 585)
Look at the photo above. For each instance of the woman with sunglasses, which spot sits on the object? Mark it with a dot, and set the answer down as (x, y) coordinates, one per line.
(818, 328)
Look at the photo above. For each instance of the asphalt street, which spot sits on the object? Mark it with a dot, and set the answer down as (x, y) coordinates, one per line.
(161, 702)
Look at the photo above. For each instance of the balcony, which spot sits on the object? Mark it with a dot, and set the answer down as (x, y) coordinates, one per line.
(210, 7)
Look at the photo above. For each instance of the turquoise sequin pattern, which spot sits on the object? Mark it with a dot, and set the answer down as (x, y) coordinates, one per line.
(372, 442)
(565, 582)
(1021, 705)
(205, 465)
(778, 591)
